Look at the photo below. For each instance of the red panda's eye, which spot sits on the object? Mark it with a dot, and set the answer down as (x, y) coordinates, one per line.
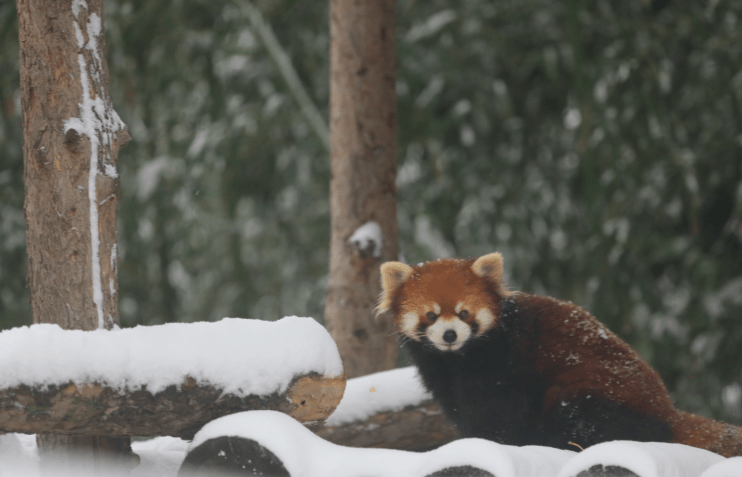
(464, 314)
(431, 316)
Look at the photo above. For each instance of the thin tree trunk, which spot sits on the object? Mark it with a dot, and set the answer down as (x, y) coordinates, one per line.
(363, 153)
(71, 140)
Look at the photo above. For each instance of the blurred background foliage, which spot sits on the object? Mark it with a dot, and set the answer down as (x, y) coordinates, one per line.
(597, 144)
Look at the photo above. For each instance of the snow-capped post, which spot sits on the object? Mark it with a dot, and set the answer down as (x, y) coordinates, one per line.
(363, 156)
(367, 240)
(72, 137)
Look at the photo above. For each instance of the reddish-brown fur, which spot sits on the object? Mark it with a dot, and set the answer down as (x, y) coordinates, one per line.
(555, 343)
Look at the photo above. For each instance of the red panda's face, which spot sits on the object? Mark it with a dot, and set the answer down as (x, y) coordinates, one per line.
(446, 302)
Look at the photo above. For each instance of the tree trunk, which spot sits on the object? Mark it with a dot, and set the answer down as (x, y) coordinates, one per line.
(71, 140)
(363, 154)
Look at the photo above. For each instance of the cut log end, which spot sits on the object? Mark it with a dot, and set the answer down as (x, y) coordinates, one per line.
(315, 399)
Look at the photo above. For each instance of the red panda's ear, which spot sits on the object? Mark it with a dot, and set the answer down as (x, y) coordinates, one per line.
(489, 266)
(393, 275)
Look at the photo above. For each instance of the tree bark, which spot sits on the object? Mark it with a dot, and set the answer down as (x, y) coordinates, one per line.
(179, 411)
(363, 154)
(71, 140)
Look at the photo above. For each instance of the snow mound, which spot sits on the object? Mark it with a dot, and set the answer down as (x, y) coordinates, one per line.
(305, 455)
(500, 460)
(239, 356)
(385, 391)
(731, 467)
(645, 459)
(160, 456)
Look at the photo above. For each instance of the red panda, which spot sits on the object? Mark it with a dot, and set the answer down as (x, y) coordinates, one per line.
(524, 369)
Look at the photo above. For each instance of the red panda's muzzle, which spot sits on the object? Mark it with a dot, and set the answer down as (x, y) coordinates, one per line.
(448, 333)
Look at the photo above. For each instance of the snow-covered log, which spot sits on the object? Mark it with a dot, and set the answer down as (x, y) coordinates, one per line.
(180, 411)
(640, 459)
(269, 443)
(165, 380)
(725, 468)
(391, 410)
(418, 427)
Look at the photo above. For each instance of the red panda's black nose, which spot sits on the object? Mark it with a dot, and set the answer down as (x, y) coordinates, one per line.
(449, 336)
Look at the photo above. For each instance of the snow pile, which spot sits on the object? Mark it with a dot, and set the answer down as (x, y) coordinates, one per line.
(18, 454)
(368, 239)
(240, 356)
(160, 457)
(498, 459)
(306, 455)
(645, 459)
(379, 392)
(727, 468)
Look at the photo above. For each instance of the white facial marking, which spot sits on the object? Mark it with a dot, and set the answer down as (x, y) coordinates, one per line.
(459, 307)
(486, 319)
(437, 308)
(408, 325)
(436, 331)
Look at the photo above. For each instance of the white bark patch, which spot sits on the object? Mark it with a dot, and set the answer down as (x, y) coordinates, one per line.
(76, 5)
(99, 122)
(115, 258)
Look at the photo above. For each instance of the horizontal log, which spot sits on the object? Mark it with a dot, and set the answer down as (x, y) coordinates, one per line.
(179, 411)
(418, 427)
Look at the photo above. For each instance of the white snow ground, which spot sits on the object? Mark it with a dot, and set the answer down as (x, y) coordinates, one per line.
(379, 392)
(306, 455)
(163, 355)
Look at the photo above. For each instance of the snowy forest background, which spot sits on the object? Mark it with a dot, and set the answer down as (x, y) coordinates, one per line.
(596, 144)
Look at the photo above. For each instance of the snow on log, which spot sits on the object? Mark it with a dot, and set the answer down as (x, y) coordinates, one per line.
(165, 380)
(640, 459)
(390, 409)
(268, 442)
(726, 468)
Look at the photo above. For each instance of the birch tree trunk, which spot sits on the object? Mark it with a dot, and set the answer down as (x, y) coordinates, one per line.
(363, 154)
(71, 140)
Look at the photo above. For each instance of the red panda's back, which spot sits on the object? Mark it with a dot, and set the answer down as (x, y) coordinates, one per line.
(581, 355)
